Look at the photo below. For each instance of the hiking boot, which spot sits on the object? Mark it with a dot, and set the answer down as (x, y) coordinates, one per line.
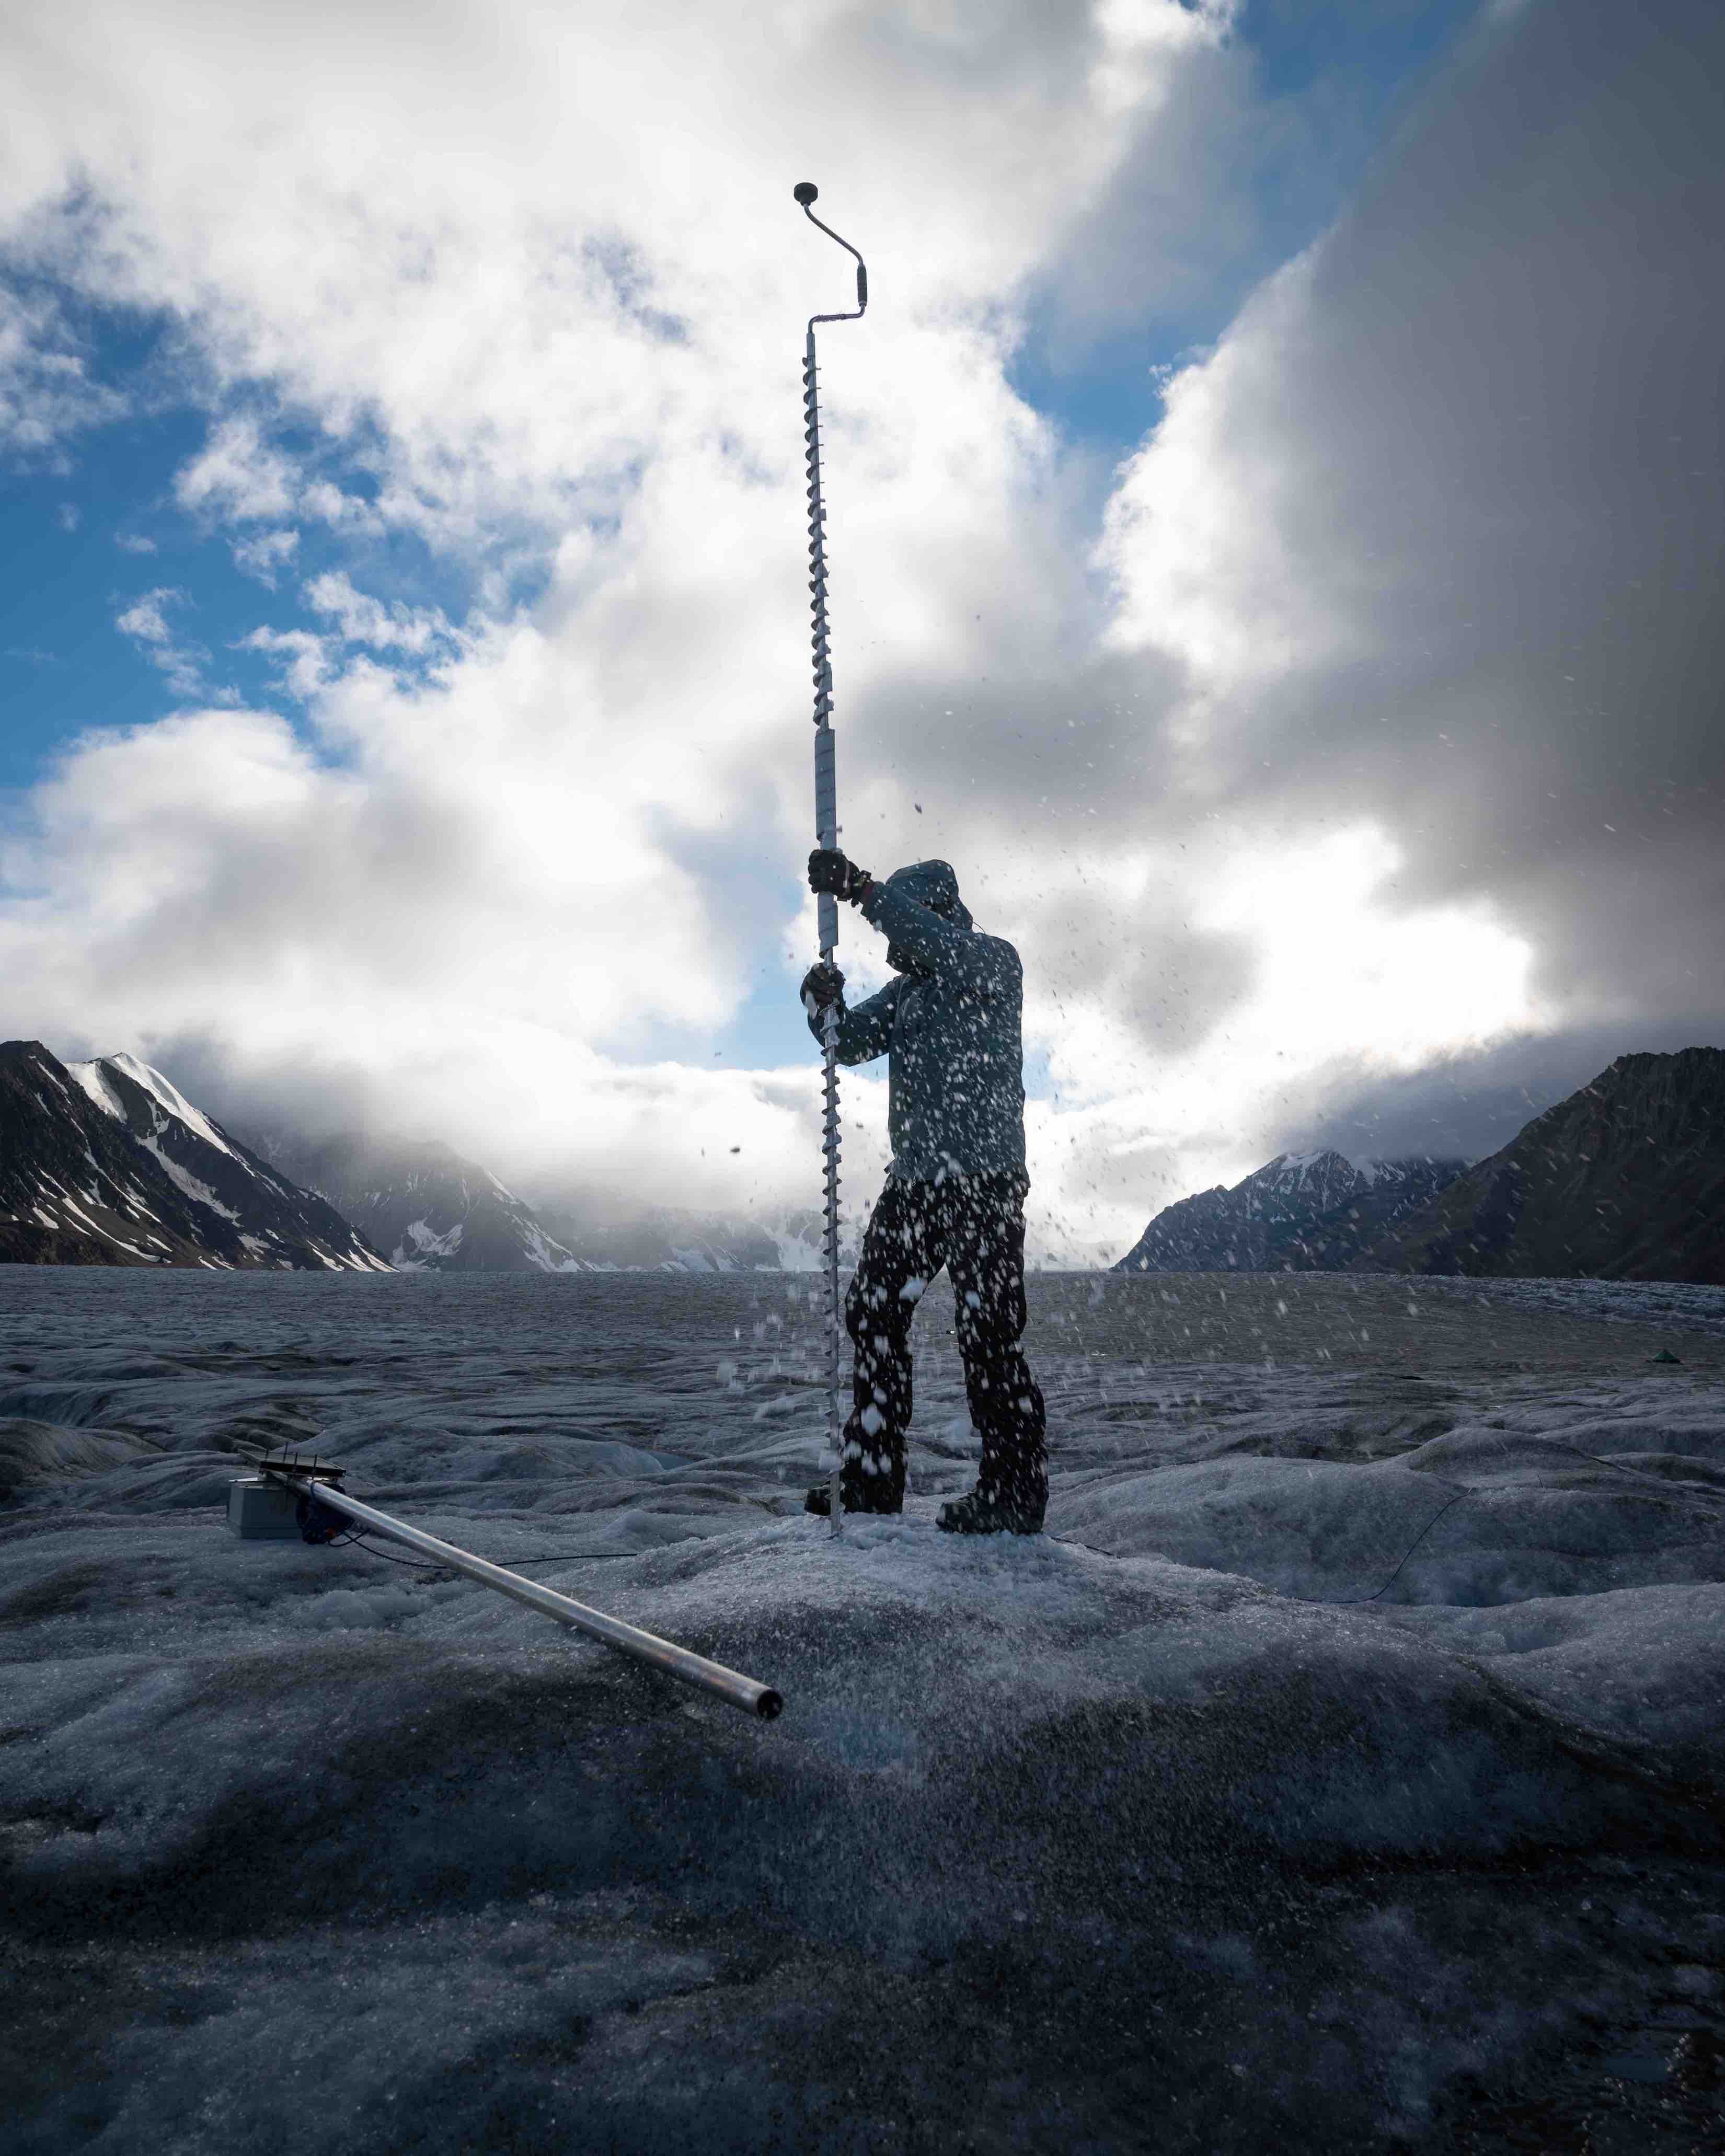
(983, 1512)
(880, 1493)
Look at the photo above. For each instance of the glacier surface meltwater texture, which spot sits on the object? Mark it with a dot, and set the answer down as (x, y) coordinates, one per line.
(1153, 1832)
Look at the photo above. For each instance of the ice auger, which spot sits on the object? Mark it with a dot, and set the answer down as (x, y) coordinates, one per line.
(826, 828)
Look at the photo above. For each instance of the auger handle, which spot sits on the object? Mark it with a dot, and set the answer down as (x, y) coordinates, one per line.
(806, 193)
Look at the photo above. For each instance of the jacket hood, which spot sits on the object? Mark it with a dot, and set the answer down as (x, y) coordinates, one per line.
(932, 884)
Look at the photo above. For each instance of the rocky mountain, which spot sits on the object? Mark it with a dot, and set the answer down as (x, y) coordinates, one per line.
(420, 1201)
(1625, 1180)
(1300, 1212)
(107, 1163)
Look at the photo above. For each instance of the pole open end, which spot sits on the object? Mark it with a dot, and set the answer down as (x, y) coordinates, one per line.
(806, 191)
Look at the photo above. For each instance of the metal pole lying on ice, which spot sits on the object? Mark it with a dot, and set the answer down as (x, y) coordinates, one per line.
(826, 828)
(728, 1684)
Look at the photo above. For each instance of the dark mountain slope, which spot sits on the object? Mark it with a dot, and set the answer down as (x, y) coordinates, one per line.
(107, 1163)
(278, 1223)
(1625, 1180)
(1337, 1238)
(74, 1188)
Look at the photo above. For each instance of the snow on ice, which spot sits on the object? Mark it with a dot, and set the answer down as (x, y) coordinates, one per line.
(1341, 1771)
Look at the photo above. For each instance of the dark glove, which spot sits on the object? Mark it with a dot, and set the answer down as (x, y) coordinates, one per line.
(822, 984)
(831, 876)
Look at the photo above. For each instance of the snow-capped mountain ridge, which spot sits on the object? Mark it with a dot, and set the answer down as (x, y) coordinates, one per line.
(92, 1078)
(106, 1162)
(1299, 1211)
(1297, 1181)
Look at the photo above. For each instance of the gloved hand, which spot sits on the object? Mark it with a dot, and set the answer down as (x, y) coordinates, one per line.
(831, 876)
(822, 984)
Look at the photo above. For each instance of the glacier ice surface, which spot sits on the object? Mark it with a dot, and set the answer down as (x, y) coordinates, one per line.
(1153, 1832)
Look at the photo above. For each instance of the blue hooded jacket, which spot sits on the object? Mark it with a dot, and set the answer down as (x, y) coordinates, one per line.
(950, 1026)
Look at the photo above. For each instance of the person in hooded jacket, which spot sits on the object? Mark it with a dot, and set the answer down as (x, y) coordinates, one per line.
(950, 1026)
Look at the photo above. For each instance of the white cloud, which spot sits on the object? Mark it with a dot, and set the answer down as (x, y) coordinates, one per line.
(506, 301)
(180, 661)
(213, 877)
(349, 514)
(47, 393)
(1420, 550)
(541, 313)
(1204, 537)
(238, 475)
(303, 658)
(265, 554)
(146, 619)
(361, 619)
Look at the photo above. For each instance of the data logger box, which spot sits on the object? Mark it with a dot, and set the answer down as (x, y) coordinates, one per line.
(263, 1511)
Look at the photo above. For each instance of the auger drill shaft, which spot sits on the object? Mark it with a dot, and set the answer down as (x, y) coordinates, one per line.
(826, 828)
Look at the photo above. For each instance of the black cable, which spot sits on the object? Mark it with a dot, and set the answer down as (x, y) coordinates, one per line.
(1354, 1601)
(356, 1541)
(1641, 1474)
(1637, 1474)
(569, 1556)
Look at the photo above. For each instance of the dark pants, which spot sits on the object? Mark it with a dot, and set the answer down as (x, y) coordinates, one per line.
(974, 1226)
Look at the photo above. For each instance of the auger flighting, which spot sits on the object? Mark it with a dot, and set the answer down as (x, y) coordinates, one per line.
(826, 826)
